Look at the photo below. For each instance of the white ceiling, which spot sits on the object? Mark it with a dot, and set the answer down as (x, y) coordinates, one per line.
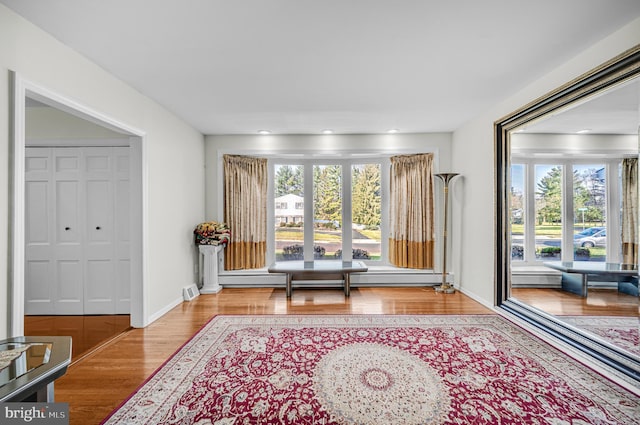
(614, 111)
(354, 66)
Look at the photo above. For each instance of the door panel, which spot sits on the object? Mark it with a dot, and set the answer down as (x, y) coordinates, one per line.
(37, 199)
(69, 290)
(68, 229)
(100, 284)
(100, 288)
(38, 294)
(39, 261)
(99, 210)
(67, 221)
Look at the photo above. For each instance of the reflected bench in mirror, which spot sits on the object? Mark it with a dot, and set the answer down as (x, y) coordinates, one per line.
(30, 364)
(625, 274)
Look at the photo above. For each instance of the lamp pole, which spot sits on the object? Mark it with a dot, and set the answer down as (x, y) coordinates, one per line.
(445, 287)
(582, 210)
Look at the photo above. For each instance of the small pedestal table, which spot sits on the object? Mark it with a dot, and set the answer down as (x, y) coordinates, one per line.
(210, 283)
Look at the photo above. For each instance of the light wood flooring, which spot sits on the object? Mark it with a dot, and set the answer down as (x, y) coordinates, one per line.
(599, 302)
(87, 332)
(102, 379)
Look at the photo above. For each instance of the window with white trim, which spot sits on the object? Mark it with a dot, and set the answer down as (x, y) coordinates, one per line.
(565, 209)
(335, 209)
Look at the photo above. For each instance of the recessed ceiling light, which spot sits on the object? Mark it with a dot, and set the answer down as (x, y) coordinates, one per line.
(327, 131)
(393, 131)
(586, 130)
(264, 132)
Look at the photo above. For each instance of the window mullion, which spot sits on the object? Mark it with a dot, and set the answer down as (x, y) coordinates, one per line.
(613, 200)
(347, 234)
(308, 211)
(567, 212)
(530, 214)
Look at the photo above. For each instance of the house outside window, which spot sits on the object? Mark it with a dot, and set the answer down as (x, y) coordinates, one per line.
(286, 215)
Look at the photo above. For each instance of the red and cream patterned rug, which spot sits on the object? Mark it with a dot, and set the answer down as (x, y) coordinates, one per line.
(468, 369)
(623, 332)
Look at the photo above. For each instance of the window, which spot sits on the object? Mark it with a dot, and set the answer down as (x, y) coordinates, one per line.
(589, 212)
(517, 207)
(561, 209)
(548, 211)
(327, 212)
(289, 236)
(366, 211)
(338, 210)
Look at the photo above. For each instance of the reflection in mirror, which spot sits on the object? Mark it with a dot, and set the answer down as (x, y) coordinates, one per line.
(569, 212)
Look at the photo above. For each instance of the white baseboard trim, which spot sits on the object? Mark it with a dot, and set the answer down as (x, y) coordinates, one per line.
(525, 280)
(262, 280)
(535, 277)
(478, 299)
(158, 314)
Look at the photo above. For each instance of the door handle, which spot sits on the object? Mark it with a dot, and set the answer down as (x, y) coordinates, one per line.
(67, 228)
(97, 227)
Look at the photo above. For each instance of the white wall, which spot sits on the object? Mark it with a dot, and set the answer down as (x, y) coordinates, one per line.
(524, 145)
(473, 157)
(174, 153)
(51, 123)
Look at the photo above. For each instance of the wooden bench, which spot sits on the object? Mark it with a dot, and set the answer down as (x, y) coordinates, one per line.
(305, 269)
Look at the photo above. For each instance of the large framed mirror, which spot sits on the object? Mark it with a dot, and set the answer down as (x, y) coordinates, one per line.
(567, 213)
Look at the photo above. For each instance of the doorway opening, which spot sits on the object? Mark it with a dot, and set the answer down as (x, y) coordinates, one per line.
(43, 119)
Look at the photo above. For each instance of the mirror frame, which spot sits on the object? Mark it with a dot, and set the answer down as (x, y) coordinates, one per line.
(618, 70)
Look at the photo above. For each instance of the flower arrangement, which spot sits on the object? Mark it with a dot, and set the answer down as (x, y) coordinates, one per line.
(212, 233)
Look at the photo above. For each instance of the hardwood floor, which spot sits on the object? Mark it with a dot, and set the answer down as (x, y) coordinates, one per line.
(87, 332)
(100, 381)
(599, 302)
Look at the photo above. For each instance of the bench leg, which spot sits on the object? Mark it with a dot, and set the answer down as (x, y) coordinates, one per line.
(347, 284)
(288, 290)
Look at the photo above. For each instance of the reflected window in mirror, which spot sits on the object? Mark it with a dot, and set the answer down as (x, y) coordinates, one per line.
(590, 212)
(548, 207)
(518, 211)
(564, 208)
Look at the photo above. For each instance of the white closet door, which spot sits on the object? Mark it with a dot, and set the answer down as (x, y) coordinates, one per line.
(77, 231)
(39, 265)
(100, 273)
(67, 249)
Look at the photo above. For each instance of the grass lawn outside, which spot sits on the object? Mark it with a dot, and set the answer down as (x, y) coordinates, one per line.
(288, 234)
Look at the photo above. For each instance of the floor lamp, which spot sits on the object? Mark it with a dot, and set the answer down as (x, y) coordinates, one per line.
(445, 287)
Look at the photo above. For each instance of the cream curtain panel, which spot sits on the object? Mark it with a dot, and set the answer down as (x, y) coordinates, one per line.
(411, 240)
(630, 211)
(245, 211)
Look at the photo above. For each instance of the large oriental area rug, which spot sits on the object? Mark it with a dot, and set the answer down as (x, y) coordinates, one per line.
(466, 369)
(623, 332)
